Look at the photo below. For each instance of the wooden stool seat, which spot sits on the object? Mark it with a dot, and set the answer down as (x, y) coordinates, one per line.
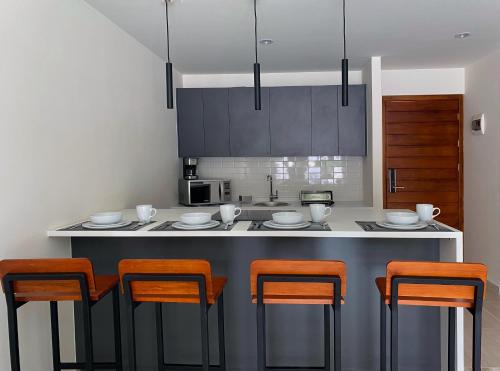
(173, 281)
(54, 280)
(442, 300)
(293, 298)
(218, 284)
(103, 285)
(315, 282)
(431, 284)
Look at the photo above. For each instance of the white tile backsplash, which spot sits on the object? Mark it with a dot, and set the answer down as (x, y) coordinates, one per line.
(341, 174)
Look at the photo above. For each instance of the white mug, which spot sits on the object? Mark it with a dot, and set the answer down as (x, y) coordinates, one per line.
(426, 212)
(229, 212)
(145, 213)
(319, 212)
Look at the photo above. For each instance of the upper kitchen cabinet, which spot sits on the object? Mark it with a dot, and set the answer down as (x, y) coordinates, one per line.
(216, 122)
(325, 120)
(191, 135)
(249, 129)
(290, 121)
(352, 122)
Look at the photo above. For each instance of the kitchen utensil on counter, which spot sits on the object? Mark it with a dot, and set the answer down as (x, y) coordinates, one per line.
(316, 197)
(273, 225)
(247, 200)
(319, 212)
(109, 217)
(403, 227)
(145, 213)
(196, 218)
(204, 192)
(229, 212)
(288, 218)
(426, 212)
(189, 168)
(195, 227)
(90, 225)
(401, 217)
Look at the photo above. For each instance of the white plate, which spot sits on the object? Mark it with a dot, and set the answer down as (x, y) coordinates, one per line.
(403, 227)
(90, 225)
(189, 227)
(273, 225)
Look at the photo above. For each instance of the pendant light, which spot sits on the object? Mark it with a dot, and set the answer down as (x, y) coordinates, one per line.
(168, 66)
(345, 66)
(256, 65)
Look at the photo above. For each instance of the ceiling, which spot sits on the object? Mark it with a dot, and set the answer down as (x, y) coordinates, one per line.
(216, 36)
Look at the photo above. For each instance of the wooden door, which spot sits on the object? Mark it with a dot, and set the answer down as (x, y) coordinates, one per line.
(423, 154)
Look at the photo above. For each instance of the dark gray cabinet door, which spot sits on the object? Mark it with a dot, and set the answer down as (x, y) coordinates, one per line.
(191, 138)
(216, 122)
(352, 122)
(325, 120)
(290, 121)
(249, 129)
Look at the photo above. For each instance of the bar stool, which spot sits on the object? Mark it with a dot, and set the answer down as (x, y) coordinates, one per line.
(432, 284)
(173, 281)
(53, 280)
(318, 282)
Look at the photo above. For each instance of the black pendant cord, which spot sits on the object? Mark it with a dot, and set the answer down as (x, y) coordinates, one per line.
(345, 65)
(168, 66)
(168, 31)
(256, 66)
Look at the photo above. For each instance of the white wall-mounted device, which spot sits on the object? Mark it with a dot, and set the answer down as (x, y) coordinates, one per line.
(478, 124)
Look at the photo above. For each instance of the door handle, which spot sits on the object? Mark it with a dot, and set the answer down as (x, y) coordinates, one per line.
(393, 186)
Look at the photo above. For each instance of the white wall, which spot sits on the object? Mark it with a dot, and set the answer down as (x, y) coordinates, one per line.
(269, 79)
(482, 166)
(423, 81)
(84, 127)
(372, 166)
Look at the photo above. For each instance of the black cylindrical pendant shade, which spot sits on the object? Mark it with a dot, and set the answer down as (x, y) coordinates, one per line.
(256, 85)
(170, 86)
(345, 82)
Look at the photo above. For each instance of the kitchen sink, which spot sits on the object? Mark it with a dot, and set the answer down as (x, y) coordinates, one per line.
(271, 203)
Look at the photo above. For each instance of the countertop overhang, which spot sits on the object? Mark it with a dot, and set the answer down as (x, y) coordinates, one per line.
(342, 223)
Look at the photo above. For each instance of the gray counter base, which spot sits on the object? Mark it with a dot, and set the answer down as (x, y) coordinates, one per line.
(295, 335)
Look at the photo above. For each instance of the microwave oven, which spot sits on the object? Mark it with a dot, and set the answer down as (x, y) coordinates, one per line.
(204, 192)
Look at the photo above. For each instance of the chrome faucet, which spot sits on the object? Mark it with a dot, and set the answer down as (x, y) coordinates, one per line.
(272, 196)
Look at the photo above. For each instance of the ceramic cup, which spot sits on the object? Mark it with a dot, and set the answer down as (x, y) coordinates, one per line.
(319, 212)
(427, 212)
(145, 213)
(229, 212)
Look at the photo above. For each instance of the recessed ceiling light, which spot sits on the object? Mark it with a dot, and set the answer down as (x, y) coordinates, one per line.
(462, 35)
(266, 41)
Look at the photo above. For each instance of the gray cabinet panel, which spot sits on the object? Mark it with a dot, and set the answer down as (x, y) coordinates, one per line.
(216, 122)
(249, 129)
(290, 121)
(325, 120)
(352, 122)
(190, 131)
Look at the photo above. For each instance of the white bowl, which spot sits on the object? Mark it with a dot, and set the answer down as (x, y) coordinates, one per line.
(288, 217)
(110, 217)
(196, 218)
(401, 217)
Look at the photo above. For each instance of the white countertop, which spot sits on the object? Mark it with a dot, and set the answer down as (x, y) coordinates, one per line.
(342, 223)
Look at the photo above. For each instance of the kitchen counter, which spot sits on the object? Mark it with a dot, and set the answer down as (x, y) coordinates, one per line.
(231, 252)
(342, 223)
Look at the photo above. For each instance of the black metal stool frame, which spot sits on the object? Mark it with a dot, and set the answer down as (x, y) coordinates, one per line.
(476, 312)
(204, 308)
(261, 320)
(89, 364)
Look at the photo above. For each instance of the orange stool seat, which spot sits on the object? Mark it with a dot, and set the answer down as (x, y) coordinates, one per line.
(173, 281)
(54, 280)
